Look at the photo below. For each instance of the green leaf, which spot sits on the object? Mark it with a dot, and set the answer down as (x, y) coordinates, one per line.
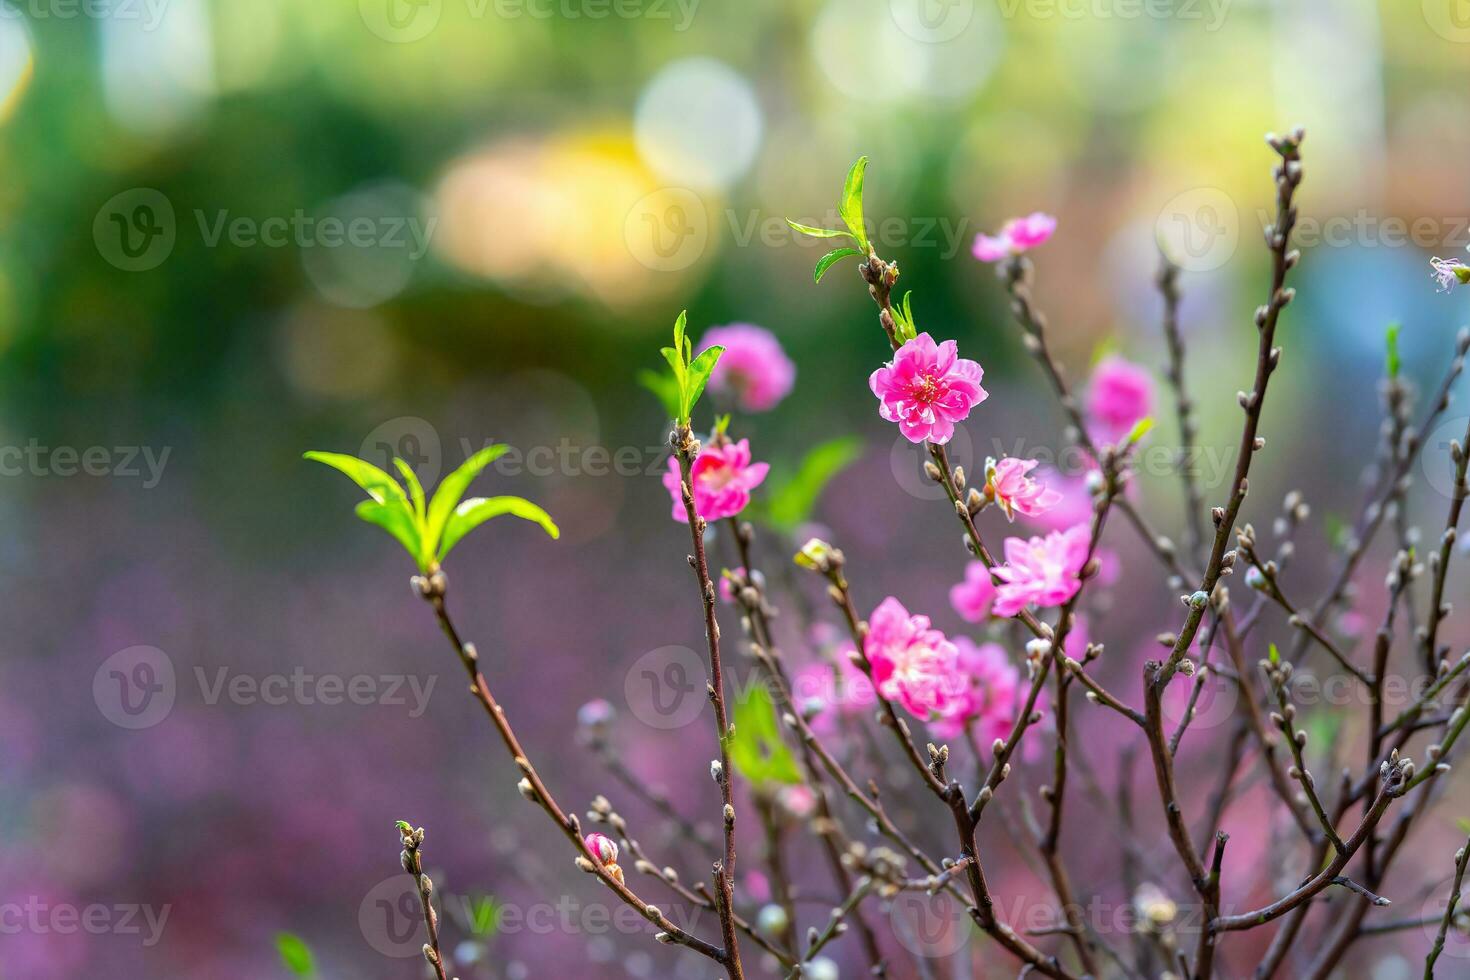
(415, 488)
(817, 232)
(485, 916)
(379, 485)
(851, 208)
(664, 387)
(903, 316)
(1140, 429)
(826, 261)
(1463, 824)
(757, 751)
(295, 954)
(451, 490)
(792, 502)
(1392, 340)
(1274, 654)
(477, 510)
(699, 372)
(397, 519)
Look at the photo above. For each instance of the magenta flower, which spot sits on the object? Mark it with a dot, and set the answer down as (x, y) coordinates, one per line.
(927, 388)
(990, 697)
(722, 477)
(913, 663)
(603, 848)
(1449, 273)
(972, 597)
(1007, 484)
(1016, 236)
(753, 368)
(1120, 395)
(1041, 571)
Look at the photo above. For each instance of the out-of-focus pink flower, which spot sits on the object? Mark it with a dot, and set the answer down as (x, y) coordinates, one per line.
(1016, 236)
(758, 886)
(596, 713)
(799, 801)
(990, 695)
(727, 585)
(1007, 484)
(1041, 571)
(913, 663)
(753, 367)
(1075, 505)
(824, 696)
(722, 478)
(972, 597)
(603, 847)
(1121, 393)
(927, 388)
(1449, 273)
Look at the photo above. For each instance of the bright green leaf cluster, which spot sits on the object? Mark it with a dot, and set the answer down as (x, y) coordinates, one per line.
(295, 955)
(429, 529)
(790, 504)
(757, 751)
(690, 373)
(851, 209)
(903, 319)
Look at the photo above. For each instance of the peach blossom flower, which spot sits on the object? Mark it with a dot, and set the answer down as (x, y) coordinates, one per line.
(1016, 236)
(1121, 393)
(927, 388)
(1041, 571)
(753, 368)
(913, 663)
(722, 477)
(972, 597)
(1007, 484)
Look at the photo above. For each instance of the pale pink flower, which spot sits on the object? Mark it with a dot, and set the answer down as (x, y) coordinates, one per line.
(753, 367)
(1121, 393)
(721, 478)
(1041, 571)
(1016, 236)
(1007, 484)
(972, 597)
(1076, 502)
(824, 695)
(1449, 273)
(927, 388)
(798, 800)
(603, 848)
(913, 663)
(992, 690)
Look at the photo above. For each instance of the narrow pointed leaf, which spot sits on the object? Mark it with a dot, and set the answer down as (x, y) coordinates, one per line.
(295, 954)
(477, 510)
(379, 485)
(817, 232)
(791, 503)
(826, 261)
(665, 387)
(699, 372)
(451, 491)
(415, 488)
(852, 202)
(396, 517)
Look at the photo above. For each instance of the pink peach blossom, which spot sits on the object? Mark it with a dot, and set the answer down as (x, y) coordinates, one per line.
(1007, 484)
(1121, 393)
(913, 663)
(602, 847)
(1449, 273)
(1041, 571)
(753, 368)
(927, 388)
(972, 597)
(722, 477)
(825, 694)
(1016, 236)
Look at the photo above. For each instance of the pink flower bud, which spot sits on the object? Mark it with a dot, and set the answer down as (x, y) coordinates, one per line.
(602, 848)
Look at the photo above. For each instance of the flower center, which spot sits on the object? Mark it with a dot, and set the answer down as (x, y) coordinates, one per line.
(926, 389)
